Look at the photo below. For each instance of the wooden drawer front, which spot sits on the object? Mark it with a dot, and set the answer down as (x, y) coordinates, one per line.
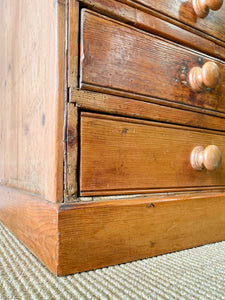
(124, 59)
(123, 155)
(213, 24)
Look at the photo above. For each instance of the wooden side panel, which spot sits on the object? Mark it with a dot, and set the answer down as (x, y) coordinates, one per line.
(102, 234)
(118, 59)
(121, 155)
(32, 35)
(213, 24)
(33, 221)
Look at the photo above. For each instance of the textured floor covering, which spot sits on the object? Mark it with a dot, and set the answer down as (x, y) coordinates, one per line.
(197, 273)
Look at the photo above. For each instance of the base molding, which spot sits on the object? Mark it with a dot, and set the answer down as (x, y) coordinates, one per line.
(76, 237)
(107, 233)
(34, 221)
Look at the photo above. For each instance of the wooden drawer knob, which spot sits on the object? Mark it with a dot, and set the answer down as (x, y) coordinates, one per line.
(201, 7)
(209, 76)
(209, 158)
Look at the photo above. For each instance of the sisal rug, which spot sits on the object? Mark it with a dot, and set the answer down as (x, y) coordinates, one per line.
(198, 273)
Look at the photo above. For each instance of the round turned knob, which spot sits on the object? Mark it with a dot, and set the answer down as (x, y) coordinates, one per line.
(209, 158)
(209, 76)
(201, 7)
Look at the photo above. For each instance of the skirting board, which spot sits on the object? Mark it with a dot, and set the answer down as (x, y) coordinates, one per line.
(76, 237)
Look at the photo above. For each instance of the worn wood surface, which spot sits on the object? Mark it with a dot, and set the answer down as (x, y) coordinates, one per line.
(34, 221)
(213, 24)
(182, 36)
(106, 233)
(32, 38)
(152, 24)
(101, 102)
(139, 63)
(72, 153)
(112, 8)
(133, 156)
(78, 237)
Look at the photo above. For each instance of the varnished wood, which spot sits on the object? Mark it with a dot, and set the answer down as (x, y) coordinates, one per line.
(32, 38)
(183, 11)
(143, 77)
(173, 21)
(209, 75)
(96, 196)
(175, 33)
(113, 9)
(202, 7)
(142, 110)
(152, 24)
(134, 155)
(76, 237)
(34, 221)
(209, 158)
(100, 102)
(124, 94)
(140, 64)
(107, 233)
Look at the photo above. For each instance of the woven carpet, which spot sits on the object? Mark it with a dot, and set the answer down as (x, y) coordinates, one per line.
(197, 273)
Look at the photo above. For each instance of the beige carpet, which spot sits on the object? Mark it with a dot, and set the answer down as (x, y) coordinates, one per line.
(197, 273)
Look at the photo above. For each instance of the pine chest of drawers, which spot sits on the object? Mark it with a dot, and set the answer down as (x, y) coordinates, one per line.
(112, 128)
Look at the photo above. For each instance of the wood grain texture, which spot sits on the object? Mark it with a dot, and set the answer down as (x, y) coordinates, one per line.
(112, 8)
(183, 11)
(100, 102)
(32, 38)
(141, 64)
(72, 152)
(152, 24)
(182, 36)
(106, 233)
(73, 43)
(121, 154)
(34, 221)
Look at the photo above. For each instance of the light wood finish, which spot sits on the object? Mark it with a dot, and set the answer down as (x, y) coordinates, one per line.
(34, 221)
(141, 64)
(202, 7)
(183, 11)
(209, 158)
(107, 233)
(32, 43)
(120, 154)
(209, 75)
